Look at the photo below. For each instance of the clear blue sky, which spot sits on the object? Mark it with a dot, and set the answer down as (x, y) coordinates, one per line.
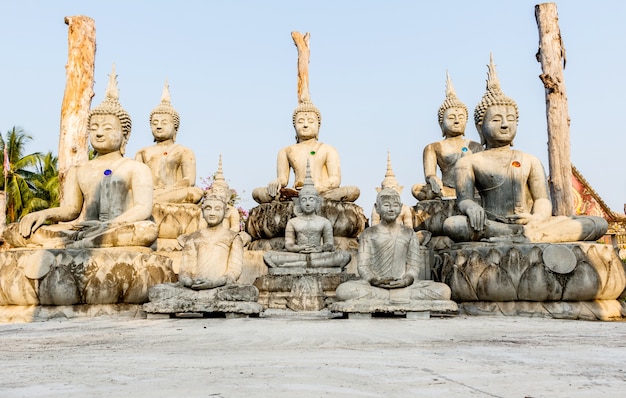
(377, 73)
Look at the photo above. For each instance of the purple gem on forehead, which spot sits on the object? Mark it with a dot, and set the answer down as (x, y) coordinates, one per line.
(107, 172)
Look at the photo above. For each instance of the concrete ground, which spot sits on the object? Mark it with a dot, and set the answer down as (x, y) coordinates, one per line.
(310, 355)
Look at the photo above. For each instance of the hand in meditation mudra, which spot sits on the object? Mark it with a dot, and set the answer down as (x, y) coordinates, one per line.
(107, 200)
(515, 203)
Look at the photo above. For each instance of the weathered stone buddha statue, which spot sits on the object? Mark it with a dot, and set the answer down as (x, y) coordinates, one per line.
(323, 158)
(211, 263)
(107, 200)
(309, 239)
(405, 218)
(391, 265)
(173, 166)
(515, 203)
(444, 154)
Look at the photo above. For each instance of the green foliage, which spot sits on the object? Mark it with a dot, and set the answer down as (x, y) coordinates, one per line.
(31, 181)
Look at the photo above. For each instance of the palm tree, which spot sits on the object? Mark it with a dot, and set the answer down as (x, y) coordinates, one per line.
(19, 176)
(46, 185)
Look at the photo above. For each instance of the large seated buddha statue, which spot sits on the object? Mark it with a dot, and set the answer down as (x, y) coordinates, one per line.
(95, 247)
(444, 154)
(173, 175)
(436, 198)
(325, 169)
(107, 200)
(510, 248)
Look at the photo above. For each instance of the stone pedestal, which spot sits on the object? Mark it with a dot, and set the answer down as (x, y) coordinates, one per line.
(415, 309)
(86, 276)
(268, 220)
(227, 300)
(564, 279)
(299, 292)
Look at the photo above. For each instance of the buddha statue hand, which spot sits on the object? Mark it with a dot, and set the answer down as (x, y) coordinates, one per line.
(30, 222)
(435, 185)
(392, 283)
(203, 284)
(273, 188)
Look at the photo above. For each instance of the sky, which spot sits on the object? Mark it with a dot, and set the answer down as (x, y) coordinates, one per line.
(377, 73)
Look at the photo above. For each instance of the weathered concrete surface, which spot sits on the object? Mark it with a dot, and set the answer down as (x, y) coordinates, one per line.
(311, 356)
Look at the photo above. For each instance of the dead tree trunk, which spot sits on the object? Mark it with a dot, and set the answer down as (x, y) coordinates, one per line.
(302, 44)
(79, 71)
(551, 55)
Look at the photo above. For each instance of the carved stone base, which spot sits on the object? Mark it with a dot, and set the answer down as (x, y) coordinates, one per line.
(386, 307)
(533, 272)
(299, 292)
(268, 220)
(170, 298)
(430, 214)
(175, 219)
(600, 310)
(90, 276)
(41, 313)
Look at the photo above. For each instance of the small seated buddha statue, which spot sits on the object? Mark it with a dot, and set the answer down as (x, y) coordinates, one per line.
(309, 239)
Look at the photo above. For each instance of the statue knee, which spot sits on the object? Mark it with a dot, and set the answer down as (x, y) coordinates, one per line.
(457, 228)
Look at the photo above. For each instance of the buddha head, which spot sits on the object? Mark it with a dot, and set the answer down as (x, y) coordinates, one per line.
(214, 208)
(111, 114)
(307, 121)
(452, 113)
(388, 205)
(494, 97)
(164, 120)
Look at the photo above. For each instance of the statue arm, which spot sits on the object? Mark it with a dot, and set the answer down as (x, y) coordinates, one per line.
(235, 260)
(365, 258)
(333, 167)
(464, 181)
(538, 185)
(188, 262)
(188, 167)
(282, 173)
(141, 187)
(290, 238)
(68, 212)
(429, 159)
(327, 237)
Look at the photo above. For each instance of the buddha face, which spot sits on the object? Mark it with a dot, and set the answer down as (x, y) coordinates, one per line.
(453, 122)
(389, 208)
(105, 133)
(213, 211)
(163, 128)
(499, 126)
(308, 203)
(307, 126)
